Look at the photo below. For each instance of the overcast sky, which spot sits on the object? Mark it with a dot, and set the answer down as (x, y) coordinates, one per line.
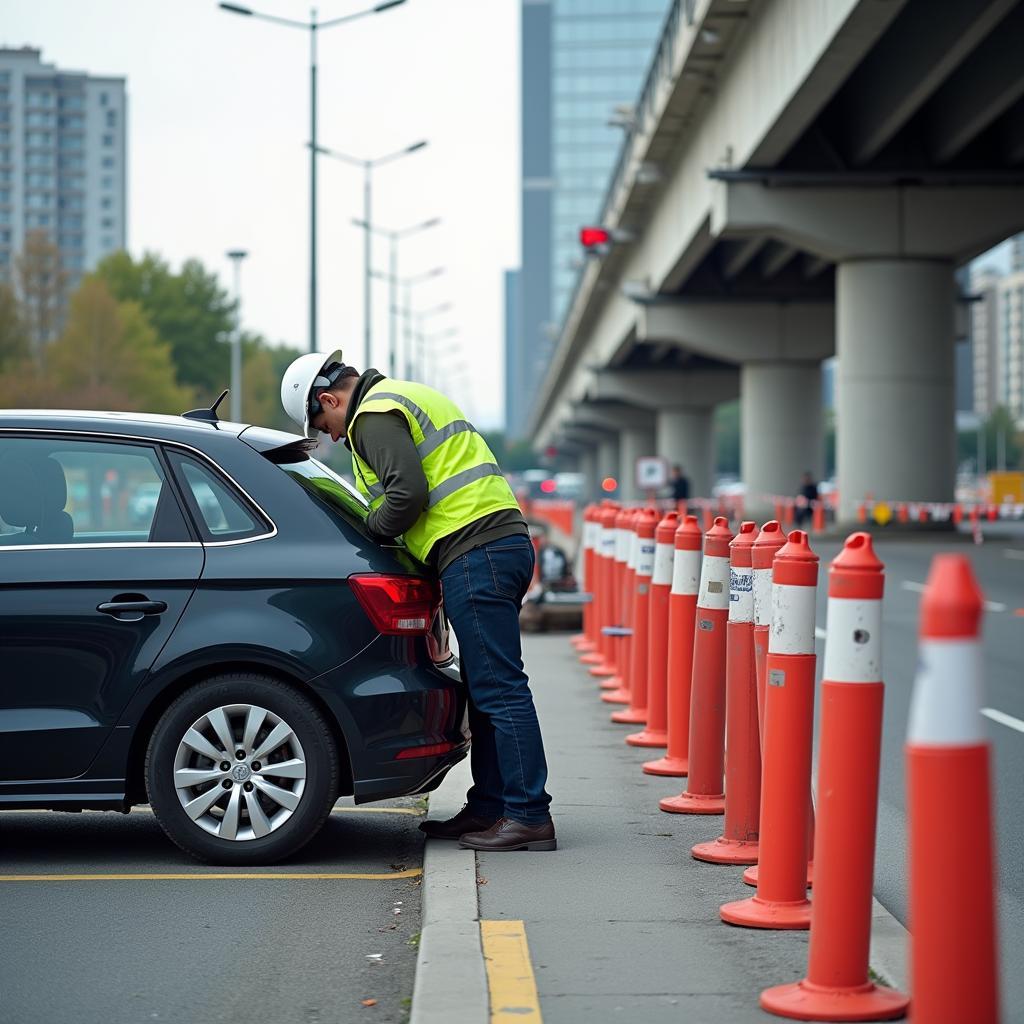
(218, 122)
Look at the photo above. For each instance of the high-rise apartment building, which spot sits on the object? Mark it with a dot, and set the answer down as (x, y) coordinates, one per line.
(581, 60)
(63, 161)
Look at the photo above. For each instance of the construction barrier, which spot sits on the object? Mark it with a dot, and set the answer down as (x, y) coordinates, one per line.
(645, 523)
(682, 618)
(738, 842)
(837, 986)
(559, 514)
(781, 898)
(704, 793)
(953, 960)
(882, 513)
(656, 732)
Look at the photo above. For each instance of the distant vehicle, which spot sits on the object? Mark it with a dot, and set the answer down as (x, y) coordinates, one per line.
(211, 630)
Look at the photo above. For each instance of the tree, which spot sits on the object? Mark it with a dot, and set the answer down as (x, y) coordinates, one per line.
(110, 357)
(42, 288)
(14, 341)
(189, 310)
(263, 366)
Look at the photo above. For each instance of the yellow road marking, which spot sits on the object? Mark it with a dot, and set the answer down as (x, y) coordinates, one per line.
(212, 876)
(149, 810)
(510, 979)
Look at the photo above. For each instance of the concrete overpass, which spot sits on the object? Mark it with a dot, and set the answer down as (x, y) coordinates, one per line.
(801, 180)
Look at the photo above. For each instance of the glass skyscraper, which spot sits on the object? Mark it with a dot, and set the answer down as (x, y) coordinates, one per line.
(580, 60)
(600, 50)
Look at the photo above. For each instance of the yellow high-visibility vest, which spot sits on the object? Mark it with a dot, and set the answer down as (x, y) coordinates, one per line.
(463, 479)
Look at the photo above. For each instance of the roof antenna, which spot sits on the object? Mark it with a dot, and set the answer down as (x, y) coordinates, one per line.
(208, 415)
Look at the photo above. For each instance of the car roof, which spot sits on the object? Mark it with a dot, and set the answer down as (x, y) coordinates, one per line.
(171, 428)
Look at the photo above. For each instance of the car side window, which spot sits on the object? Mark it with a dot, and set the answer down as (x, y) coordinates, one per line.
(221, 513)
(69, 491)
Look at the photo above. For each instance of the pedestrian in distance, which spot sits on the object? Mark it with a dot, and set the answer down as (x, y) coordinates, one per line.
(679, 483)
(431, 479)
(809, 492)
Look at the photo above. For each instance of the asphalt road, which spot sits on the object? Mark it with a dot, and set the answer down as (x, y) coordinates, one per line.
(287, 949)
(999, 567)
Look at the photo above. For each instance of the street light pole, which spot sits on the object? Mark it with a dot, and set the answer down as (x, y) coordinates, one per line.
(313, 26)
(236, 256)
(369, 166)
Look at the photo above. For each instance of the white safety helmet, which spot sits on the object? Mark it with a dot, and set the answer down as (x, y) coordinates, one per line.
(306, 375)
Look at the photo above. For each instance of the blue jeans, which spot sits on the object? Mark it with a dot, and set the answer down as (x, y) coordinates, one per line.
(483, 591)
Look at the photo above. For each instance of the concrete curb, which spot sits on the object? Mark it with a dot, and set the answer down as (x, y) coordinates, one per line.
(451, 980)
(889, 948)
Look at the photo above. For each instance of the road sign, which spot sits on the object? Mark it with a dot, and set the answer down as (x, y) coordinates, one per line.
(651, 472)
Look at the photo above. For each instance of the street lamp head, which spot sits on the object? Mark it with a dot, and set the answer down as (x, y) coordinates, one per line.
(236, 9)
(417, 145)
(237, 254)
(432, 223)
(387, 5)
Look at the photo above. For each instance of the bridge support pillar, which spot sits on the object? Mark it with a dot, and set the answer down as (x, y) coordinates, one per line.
(684, 438)
(895, 407)
(781, 435)
(587, 465)
(635, 442)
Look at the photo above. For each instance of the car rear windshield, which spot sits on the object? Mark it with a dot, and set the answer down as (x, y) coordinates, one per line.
(323, 483)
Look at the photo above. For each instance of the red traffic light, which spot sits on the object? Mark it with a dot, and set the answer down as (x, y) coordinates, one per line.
(589, 237)
(547, 486)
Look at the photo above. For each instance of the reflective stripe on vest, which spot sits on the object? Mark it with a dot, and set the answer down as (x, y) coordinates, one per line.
(460, 480)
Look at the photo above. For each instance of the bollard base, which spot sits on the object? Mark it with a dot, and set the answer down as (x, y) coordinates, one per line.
(726, 851)
(648, 738)
(603, 670)
(807, 1001)
(694, 803)
(773, 914)
(591, 658)
(750, 875)
(582, 642)
(676, 767)
(617, 696)
(631, 716)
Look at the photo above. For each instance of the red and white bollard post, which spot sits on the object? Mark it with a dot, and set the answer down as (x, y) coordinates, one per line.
(656, 732)
(954, 962)
(645, 523)
(837, 986)
(586, 642)
(605, 604)
(781, 898)
(625, 556)
(682, 617)
(738, 842)
(705, 792)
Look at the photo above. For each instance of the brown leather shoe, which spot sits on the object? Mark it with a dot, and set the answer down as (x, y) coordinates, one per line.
(455, 828)
(507, 834)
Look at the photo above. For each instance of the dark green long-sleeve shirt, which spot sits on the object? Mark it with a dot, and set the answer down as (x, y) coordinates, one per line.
(383, 441)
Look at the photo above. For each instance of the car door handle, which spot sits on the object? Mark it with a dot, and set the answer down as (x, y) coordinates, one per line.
(139, 608)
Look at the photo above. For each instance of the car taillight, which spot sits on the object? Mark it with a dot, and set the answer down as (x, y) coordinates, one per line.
(397, 605)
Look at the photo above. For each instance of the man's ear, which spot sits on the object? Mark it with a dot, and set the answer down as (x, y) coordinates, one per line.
(329, 400)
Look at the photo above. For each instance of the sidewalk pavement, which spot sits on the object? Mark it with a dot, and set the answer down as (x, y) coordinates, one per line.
(621, 922)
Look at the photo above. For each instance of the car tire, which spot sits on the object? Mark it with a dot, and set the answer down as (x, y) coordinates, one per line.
(286, 813)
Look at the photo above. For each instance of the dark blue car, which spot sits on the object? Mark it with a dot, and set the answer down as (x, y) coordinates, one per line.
(192, 615)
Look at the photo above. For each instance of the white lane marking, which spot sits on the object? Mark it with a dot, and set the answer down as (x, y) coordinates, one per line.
(1011, 553)
(919, 588)
(1003, 719)
(819, 633)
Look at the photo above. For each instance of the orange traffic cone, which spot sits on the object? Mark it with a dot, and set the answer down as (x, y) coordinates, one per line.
(738, 842)
(781, 898)
(682, 617)
(645, 523)
(604, 576)
(837, 986)
(704, 793)
(625, 557)
(656, 732)
(584, 642)
(769, 541)
(953, 956)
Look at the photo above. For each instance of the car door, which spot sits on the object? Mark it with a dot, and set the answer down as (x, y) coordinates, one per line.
(94, 575)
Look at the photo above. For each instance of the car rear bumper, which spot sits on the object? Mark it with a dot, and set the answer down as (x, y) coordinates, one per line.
(404, 719)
